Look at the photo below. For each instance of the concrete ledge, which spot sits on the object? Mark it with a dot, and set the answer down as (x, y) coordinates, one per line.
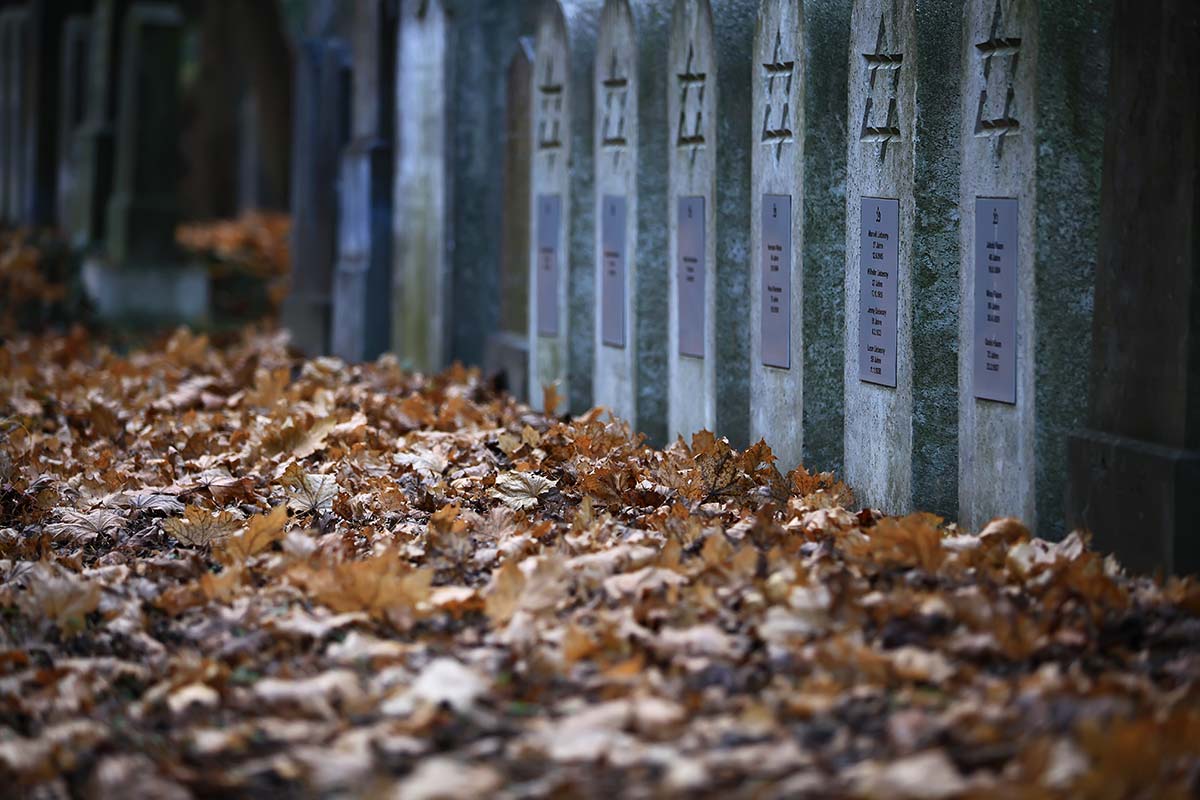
(174, 292)
(1134, 497)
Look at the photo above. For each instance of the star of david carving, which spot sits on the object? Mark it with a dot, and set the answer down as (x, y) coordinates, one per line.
(778, 73)
(616, 94)
(550, 114)
(691, 106)
(881, 114)
(998, 58)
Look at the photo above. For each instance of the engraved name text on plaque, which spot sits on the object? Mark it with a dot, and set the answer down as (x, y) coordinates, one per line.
(549, 218)
(776, 310)
(690, 276)
(996, 299)
(612, 290)
(879, 259)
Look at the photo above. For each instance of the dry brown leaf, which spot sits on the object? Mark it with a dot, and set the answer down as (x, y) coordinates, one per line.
(520, 490)
(200, 527)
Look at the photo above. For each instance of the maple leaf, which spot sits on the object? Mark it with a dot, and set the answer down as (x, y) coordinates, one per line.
(83, 527)
(297, 441)
(376, 585)
(200, 527)
(260, 532)
(151, 501)
(309, 492)
(60, 596)
(521, 490)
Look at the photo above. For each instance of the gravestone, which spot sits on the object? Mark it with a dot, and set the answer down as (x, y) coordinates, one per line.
(615, 148)
(1135, 470)
(421, 306)
(692, 213)
(550, 207)
(72, 109)
(777, 230)
(361, 326)
(901, 283)
(139, 273)
(1032, 128)
(322, 124)
(507, 354)
(14, 24)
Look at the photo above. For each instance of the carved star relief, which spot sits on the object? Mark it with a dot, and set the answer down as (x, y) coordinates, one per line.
(550, 95)
(616, 95)
(778, 73)
(691, 106)
(881, 114)
(998, 58)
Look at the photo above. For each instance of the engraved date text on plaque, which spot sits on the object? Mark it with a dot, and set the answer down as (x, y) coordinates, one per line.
(690, 276)
(996, 299)
(879, 259)
(776, 311)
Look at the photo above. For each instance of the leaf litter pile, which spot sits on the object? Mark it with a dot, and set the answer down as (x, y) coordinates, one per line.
(229, 572)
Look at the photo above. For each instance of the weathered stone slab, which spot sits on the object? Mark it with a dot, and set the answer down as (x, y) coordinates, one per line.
(421, 307)
(1135, 470)
(72, 110)
(902, 203)
(550, 207)
(361, 325)
(1032, 125)
(615, 95)
(322, 120)
(14, 24)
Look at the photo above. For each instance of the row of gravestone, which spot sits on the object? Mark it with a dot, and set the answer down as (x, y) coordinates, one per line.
(89, 132)
(864, 230)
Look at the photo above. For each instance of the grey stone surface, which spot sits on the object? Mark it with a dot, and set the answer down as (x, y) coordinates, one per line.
(1135, 471)
(322, 112)
(361, 327)
(7, 117)
(1032, 125)
(72, 94)
(905, 60)
(422, 278)
(14, 30)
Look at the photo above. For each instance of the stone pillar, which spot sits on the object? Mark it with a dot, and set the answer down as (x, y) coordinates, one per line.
(421, 308)
(902, 254)
(322, 126)
(72, 109)
(550, 207)
(507, 354)
(361, 327)
(7, 114)
(1135, 471)
(1032, 123)
(615, 147)
(14, 22)
(93, 144)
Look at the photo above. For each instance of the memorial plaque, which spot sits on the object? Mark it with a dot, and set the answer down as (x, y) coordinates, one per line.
(549, 218)
(996, 267)
(612, 290)
(777, 280)
(879, 259)
(690, 276)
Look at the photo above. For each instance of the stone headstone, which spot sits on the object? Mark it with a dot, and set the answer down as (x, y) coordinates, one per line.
(72, 109)
(691, 86)
(1135, 470)
(14, 27)
(550, 207)
(322, 128)
(139, 273)
(421, 308)
(361, 326)
(507, 354)
(901, 285)
(1032, 128)
(615, 148)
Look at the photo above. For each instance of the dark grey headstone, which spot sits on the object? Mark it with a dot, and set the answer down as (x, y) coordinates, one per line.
(72, 109)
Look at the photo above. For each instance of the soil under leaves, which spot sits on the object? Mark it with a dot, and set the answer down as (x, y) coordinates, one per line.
(229, 572)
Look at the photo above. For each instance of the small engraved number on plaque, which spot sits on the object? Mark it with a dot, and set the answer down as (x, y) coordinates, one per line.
(690, 276)
(879, 261)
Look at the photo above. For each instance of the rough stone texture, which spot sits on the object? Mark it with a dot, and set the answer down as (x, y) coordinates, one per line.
(615, 148)
(827, 35)
(778, 89)
(650, 287)
(485, 34)
(1035, 136)
(362, 314)
(423, 193)
(321, 130)
(901, 442)
(1135, 473)
(552, 145)
(72, 94)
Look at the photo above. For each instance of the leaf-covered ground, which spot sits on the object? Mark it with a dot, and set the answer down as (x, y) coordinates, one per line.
(227, 572)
